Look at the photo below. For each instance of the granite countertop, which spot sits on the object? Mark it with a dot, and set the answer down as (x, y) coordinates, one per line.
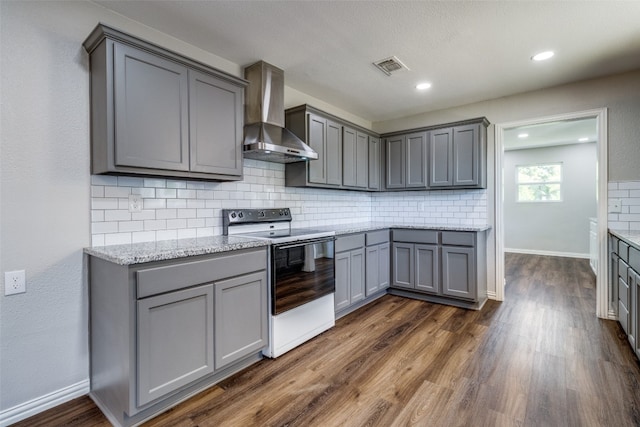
(360, 227)
(632, 237)
(137, 253)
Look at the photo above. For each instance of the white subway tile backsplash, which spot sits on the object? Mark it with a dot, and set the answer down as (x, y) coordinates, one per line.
(629, 194)
(117, 239)
(176, 208)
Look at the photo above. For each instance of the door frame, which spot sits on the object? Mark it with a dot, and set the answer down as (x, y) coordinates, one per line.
(600, 114)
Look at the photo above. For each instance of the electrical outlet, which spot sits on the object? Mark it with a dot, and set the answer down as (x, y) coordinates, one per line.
(135, 203)
(615, 206)
(14, 282)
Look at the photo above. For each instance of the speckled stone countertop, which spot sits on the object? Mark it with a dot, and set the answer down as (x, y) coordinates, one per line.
(138, 253)
(361, 227)
(632, 237)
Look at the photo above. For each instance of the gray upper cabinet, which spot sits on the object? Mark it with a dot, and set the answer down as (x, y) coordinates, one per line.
(355, 158)
(215, 114)
(154, 112)
(395, 162)
(437, 157)
(151, 110)
(416, 162)
(374, 163)
(345, 160)
(457, 156)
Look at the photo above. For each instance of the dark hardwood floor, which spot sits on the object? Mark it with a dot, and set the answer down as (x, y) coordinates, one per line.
(541, 358)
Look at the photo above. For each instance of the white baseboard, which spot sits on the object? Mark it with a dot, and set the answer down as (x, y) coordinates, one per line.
(547, 253)
(39, 404)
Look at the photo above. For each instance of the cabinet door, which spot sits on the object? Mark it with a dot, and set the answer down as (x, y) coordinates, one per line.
(362, 160)
(613, 282)
(241, 317)
(427, 278)
(636, 307)
(416, 152)
(317, 129)
(633, 308)
(372, 281)
(459, 272)
(403, 265)
(440, 158)
(384, 261)
(175, 341)
(466, 155)
(374, 163)
(356, 282)
(215, 125)
(333, 155)
(348, 157)
(151, 111)
(395, 162)
(343, 277)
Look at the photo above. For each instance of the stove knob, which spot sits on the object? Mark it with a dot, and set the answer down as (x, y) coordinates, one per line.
(281, 213)
(233, 214)
(240, 215)
(261, 214)
(286, 212)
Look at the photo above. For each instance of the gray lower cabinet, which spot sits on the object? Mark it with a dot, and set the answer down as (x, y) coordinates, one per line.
(377, 267)
(350, 276)
(624, 291)
(161, 331)
(175, 341)
(154, 112)
(440, 266)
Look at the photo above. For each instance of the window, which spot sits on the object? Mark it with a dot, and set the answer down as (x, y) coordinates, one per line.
(539, 183)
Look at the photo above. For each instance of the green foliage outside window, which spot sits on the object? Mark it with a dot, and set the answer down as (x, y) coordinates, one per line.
(539, 183)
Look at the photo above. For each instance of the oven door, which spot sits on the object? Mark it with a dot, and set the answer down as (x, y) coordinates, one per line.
(301, 272)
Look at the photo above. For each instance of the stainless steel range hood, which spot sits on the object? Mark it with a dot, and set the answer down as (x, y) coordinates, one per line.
(265, 137)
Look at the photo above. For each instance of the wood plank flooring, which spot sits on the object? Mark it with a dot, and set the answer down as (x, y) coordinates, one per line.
(541, 358)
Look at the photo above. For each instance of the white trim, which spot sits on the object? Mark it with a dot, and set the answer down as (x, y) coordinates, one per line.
(547, 253)
(491, 295)
(42, 403)
(600, 114)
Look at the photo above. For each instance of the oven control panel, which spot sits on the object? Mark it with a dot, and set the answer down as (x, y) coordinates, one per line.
(248, 216)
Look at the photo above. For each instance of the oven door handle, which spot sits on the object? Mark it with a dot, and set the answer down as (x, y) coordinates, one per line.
(304, 243)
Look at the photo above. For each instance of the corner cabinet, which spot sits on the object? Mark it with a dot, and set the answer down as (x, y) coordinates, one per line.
(440, 266)
(439, 157)
(348, 155)
(154, 112)
(162, 331)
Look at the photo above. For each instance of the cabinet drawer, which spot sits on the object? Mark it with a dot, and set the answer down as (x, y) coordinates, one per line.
(166, 278)
(623, 316)
(377, 237)
(634, 259)
(623, 250)
(458, 238)
(416, 236)
(623, 292)
(348, 243)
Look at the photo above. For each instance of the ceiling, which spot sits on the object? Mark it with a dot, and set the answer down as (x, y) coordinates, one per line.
(563, 132)
(470, 51)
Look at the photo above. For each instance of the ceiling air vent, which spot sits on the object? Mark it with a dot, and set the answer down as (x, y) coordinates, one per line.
(390, 65)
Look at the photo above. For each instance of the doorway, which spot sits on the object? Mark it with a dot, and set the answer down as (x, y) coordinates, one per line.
(502, 133)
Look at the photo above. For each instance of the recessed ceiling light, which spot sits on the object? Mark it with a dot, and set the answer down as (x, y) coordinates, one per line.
(585, 139)
(523, 135)
(543, 55)
(423, 86)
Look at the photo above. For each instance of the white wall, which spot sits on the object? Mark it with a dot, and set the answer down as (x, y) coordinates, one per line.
(552, 227)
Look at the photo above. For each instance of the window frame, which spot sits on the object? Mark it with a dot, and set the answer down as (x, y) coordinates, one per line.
(529, 183)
